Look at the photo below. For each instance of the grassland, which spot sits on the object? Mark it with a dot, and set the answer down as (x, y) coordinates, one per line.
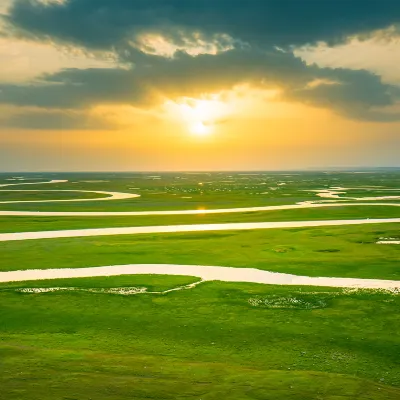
(348, 251)
(15, 195)
(32, 224)
(218, 340)
(204, 343)
(177, 191)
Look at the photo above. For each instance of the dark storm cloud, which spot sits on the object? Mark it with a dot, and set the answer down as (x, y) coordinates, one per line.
(54, 120)
(74, 88)
(257, 27)
(155, 78)
(354, 94)
(107, 23)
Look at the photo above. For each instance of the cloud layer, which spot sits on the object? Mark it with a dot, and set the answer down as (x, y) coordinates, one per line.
(105, 23)
(251, 42)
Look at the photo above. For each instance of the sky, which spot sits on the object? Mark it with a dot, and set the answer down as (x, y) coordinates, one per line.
(163, 85)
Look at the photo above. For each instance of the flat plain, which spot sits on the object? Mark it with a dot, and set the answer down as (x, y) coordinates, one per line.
(128, 336)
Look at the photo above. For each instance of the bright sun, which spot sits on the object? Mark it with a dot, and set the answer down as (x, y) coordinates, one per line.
(200, 129)
(199, 116)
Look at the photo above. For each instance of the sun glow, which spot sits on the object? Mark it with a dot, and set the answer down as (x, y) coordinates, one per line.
(199, 116)
(200, 129)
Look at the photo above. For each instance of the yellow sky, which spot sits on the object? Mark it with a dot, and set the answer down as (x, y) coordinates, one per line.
(288, 136)
(244, 129)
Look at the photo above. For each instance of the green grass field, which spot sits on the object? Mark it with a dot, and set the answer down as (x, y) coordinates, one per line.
(348, 251)
(31, 224)
(175, 191)
(15, 195)
(204, 343)
(216, 340)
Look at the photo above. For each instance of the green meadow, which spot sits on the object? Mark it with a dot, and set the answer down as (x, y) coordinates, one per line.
(183, 191)
(348, 251)
(210, 342)
(81, 340)
(46, 195)
(34, 223)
